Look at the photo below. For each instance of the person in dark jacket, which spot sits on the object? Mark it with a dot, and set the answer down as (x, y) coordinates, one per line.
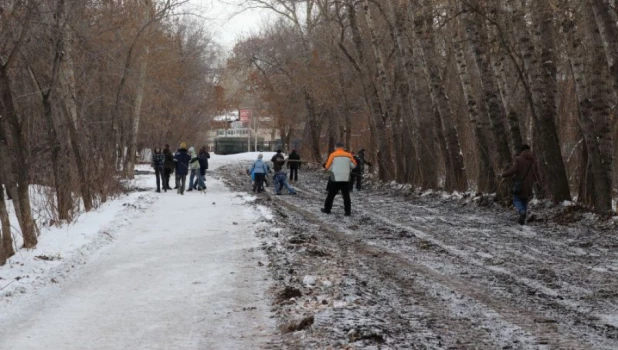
(361, 168)
(294, 165)
(182, 158)
(158, 160)
(203, 156)
(356, 175)
(278, 161)
(525, 172)
(168, 167)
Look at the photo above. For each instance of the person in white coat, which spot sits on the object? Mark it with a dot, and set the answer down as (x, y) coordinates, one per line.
(340, 163)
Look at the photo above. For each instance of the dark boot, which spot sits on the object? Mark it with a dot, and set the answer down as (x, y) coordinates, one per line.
(522, 219)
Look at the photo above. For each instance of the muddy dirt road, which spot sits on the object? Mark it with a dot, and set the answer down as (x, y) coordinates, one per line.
(410, 271)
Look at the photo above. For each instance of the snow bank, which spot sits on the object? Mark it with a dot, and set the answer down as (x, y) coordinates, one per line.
(217, 160)
(62, 248)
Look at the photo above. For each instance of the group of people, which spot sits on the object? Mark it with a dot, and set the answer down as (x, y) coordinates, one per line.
(346, 171)
(184, 162)
(259, 170)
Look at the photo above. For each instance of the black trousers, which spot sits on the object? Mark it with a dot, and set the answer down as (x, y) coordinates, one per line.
(258, 184)
(159, 175)
(166, 178)
(356, 178)
(180, 183)
(334, 188)
(293, 174)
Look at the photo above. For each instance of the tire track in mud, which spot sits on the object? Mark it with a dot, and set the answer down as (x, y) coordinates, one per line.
(572, 313)
(413, 279)
(389, 264)
(577, 304)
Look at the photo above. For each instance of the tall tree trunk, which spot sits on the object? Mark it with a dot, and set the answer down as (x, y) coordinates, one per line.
(21, 168)
(499, 64)
(314, 126)
(347, 127)
(6, 240)
(486, 176)
(541, 77)
(476, 32)
(67, 81)
(609, 34)
(385, 162)
(428, 125)
(408, 101)
(455, 170)
(135, 120)
(589, 66)
(377, 123)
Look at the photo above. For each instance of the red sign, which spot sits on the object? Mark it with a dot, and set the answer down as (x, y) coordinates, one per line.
(245, 115)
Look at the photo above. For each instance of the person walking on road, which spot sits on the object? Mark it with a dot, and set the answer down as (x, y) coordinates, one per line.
(168, 167)
(194, 167)
(182, 158)
(158, 160)
(294, 165)
(340, 163)
(525, 172)
(203, 156)
(259, 169)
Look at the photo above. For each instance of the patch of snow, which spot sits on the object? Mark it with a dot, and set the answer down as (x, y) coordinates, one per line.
(174, 273)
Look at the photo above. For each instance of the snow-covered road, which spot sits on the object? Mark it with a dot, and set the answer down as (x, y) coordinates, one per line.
(179, 276)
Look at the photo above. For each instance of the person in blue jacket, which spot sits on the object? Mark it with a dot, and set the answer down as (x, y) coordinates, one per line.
(259, 169)
(181, 159)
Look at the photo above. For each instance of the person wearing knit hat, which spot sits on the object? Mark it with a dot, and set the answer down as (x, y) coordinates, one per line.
(258, 170)
(182, 158)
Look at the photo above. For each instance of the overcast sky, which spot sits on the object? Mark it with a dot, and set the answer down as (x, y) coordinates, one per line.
(228, 24)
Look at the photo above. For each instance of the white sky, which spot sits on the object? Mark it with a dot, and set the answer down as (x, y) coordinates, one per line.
(227, 23)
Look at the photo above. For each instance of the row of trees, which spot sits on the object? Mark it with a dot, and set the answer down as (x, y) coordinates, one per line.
(84, 84)
(449, 89)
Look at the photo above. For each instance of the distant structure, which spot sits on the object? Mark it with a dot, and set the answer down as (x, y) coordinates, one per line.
(241, 131)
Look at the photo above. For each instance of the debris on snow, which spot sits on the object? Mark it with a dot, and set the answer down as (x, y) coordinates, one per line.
(309, 281)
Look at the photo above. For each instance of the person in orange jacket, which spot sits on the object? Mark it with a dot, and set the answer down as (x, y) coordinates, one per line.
(340, 163)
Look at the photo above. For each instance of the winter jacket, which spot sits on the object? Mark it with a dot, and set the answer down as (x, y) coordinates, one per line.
(358, 169)
(182, 158)
(259, 167)
(363, 161)
(278, 161)
(525, 163)
(194, 163)
(157, 160)
(203, 160)
(340, 163)
(168, 162)
(294, 161)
